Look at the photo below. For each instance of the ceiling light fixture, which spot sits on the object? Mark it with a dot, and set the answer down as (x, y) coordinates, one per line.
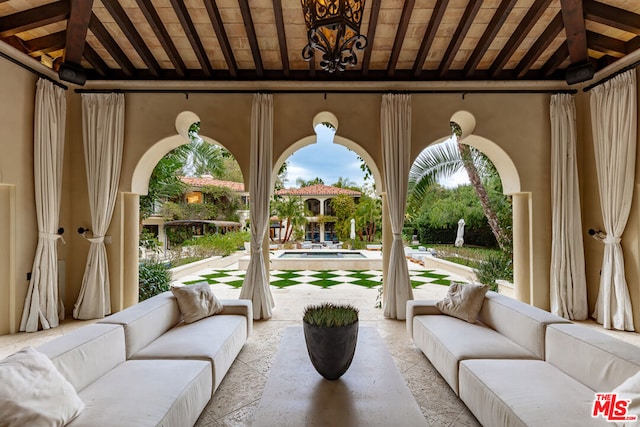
(333, 28)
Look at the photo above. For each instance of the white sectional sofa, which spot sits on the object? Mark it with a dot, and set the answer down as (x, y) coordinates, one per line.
(143, 366)
(522, 366)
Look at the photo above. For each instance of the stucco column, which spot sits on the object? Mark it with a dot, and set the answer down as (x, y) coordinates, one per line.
(130, 244)
(522, 246)
(387, 239)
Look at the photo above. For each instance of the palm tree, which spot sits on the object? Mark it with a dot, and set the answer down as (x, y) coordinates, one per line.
(368, 217)
(344, 183)
(442, 161)
(300, 182)
(290, 209)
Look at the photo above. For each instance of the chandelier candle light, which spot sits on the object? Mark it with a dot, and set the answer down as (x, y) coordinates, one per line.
(333, 28)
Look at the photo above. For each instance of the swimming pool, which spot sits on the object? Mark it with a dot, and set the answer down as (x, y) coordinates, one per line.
(321, 254)
(321, 259)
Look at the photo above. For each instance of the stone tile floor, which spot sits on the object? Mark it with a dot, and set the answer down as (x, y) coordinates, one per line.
(239, 393)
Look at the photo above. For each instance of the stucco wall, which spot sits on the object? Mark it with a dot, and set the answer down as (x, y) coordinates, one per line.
(18, 227)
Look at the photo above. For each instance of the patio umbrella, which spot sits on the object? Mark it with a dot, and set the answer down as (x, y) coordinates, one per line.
(353, 229)
(460, 235)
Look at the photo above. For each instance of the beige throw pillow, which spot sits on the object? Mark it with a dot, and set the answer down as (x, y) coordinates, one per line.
(463, 301)
(34, 393)
(196, 301)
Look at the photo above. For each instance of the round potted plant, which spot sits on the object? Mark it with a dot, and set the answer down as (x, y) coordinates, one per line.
(331, 333)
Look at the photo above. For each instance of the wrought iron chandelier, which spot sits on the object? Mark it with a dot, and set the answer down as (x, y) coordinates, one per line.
(333, 28)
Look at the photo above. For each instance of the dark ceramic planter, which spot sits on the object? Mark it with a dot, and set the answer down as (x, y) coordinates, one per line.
(331, 350)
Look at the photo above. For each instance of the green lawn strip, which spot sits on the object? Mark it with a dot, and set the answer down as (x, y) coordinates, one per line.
(324, 274)
(366, 283)
(324, 283)
(430, 274)
(443, 282)
(216, 275)
(193, 282)
(360, 274)
(283, 283)
(288, 274)
(236, 283)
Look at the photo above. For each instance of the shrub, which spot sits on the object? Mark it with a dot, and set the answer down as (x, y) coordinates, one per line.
(153, 279)
(219, 244)
(496, 266)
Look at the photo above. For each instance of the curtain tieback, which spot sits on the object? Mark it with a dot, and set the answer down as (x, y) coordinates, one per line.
(611, 239)
(95, 239)
(256, 251)
(51, 236)
(397, 236)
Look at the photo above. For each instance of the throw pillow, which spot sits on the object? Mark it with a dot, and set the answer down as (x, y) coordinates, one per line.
(34, 393)
(196, 301)
(463, 301)
(630, 389)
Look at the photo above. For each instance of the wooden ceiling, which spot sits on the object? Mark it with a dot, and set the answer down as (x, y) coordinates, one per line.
(421, 40)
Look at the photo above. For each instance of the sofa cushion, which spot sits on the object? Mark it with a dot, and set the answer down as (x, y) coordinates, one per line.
(463, 300)
(217, 339)
(518, 321)
(525, 393)
(599, 361)
(146, 321)
(446, 341)
(196, 301)
(147, 393)
(85, 354)
(34, 393)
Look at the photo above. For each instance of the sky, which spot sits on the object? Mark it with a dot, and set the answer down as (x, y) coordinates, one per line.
(330, 161)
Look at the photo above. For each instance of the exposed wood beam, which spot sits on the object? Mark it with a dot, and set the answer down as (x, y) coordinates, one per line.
(149, 12)
(221, 34)
(555, 60)
(402, 31)
(16, 43)
(251, 35)
(633, 44)
(607, 45)
(429, 36)
(110, 44)
(538, 48)
(96, 61)
(573, 18)
(77, 25)
(489, 35)
(48, 43)
(611, 16)
(529, 20)
(282, 39)
(371, 35)
(34, 18)
(190, 31)
(465, 23)
(132, 35)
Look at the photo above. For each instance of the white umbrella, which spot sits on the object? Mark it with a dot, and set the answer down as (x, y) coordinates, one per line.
(353, 229)
(460, 235)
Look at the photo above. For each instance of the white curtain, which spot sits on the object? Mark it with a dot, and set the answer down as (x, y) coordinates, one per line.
(103, 135)
(614, 122)
(42, 304)
(395, 120)
(568, 280)
(256, 282)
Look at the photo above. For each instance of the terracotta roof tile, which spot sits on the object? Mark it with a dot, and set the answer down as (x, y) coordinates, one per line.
(317, 190)
(208, 180)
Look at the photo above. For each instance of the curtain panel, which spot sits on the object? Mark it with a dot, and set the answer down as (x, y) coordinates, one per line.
(568, 279)
(256, 283)
(42, 305)
(614, 121)
(103, 135)
(395, 124)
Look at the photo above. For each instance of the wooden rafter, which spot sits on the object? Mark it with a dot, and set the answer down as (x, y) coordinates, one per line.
(400, 34)
(251, 35)
(110, 44)
(96, 61)
(190, 30)
(45, 44)
(573, 18)
(282, 39)
(607, 45)
(221, 34)
(552, 64)
(499, 17)
(34, 18)
(465, 23)
(430, 34)
(371, 35)
(129, 30)
(77, 26)
(527, 23)
(538, 48)
(611, 16)
(161, 33)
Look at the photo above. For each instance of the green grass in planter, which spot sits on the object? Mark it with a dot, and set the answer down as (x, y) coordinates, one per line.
(330, 315)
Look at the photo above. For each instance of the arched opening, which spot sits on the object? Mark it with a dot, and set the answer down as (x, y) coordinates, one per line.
(511, 186)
